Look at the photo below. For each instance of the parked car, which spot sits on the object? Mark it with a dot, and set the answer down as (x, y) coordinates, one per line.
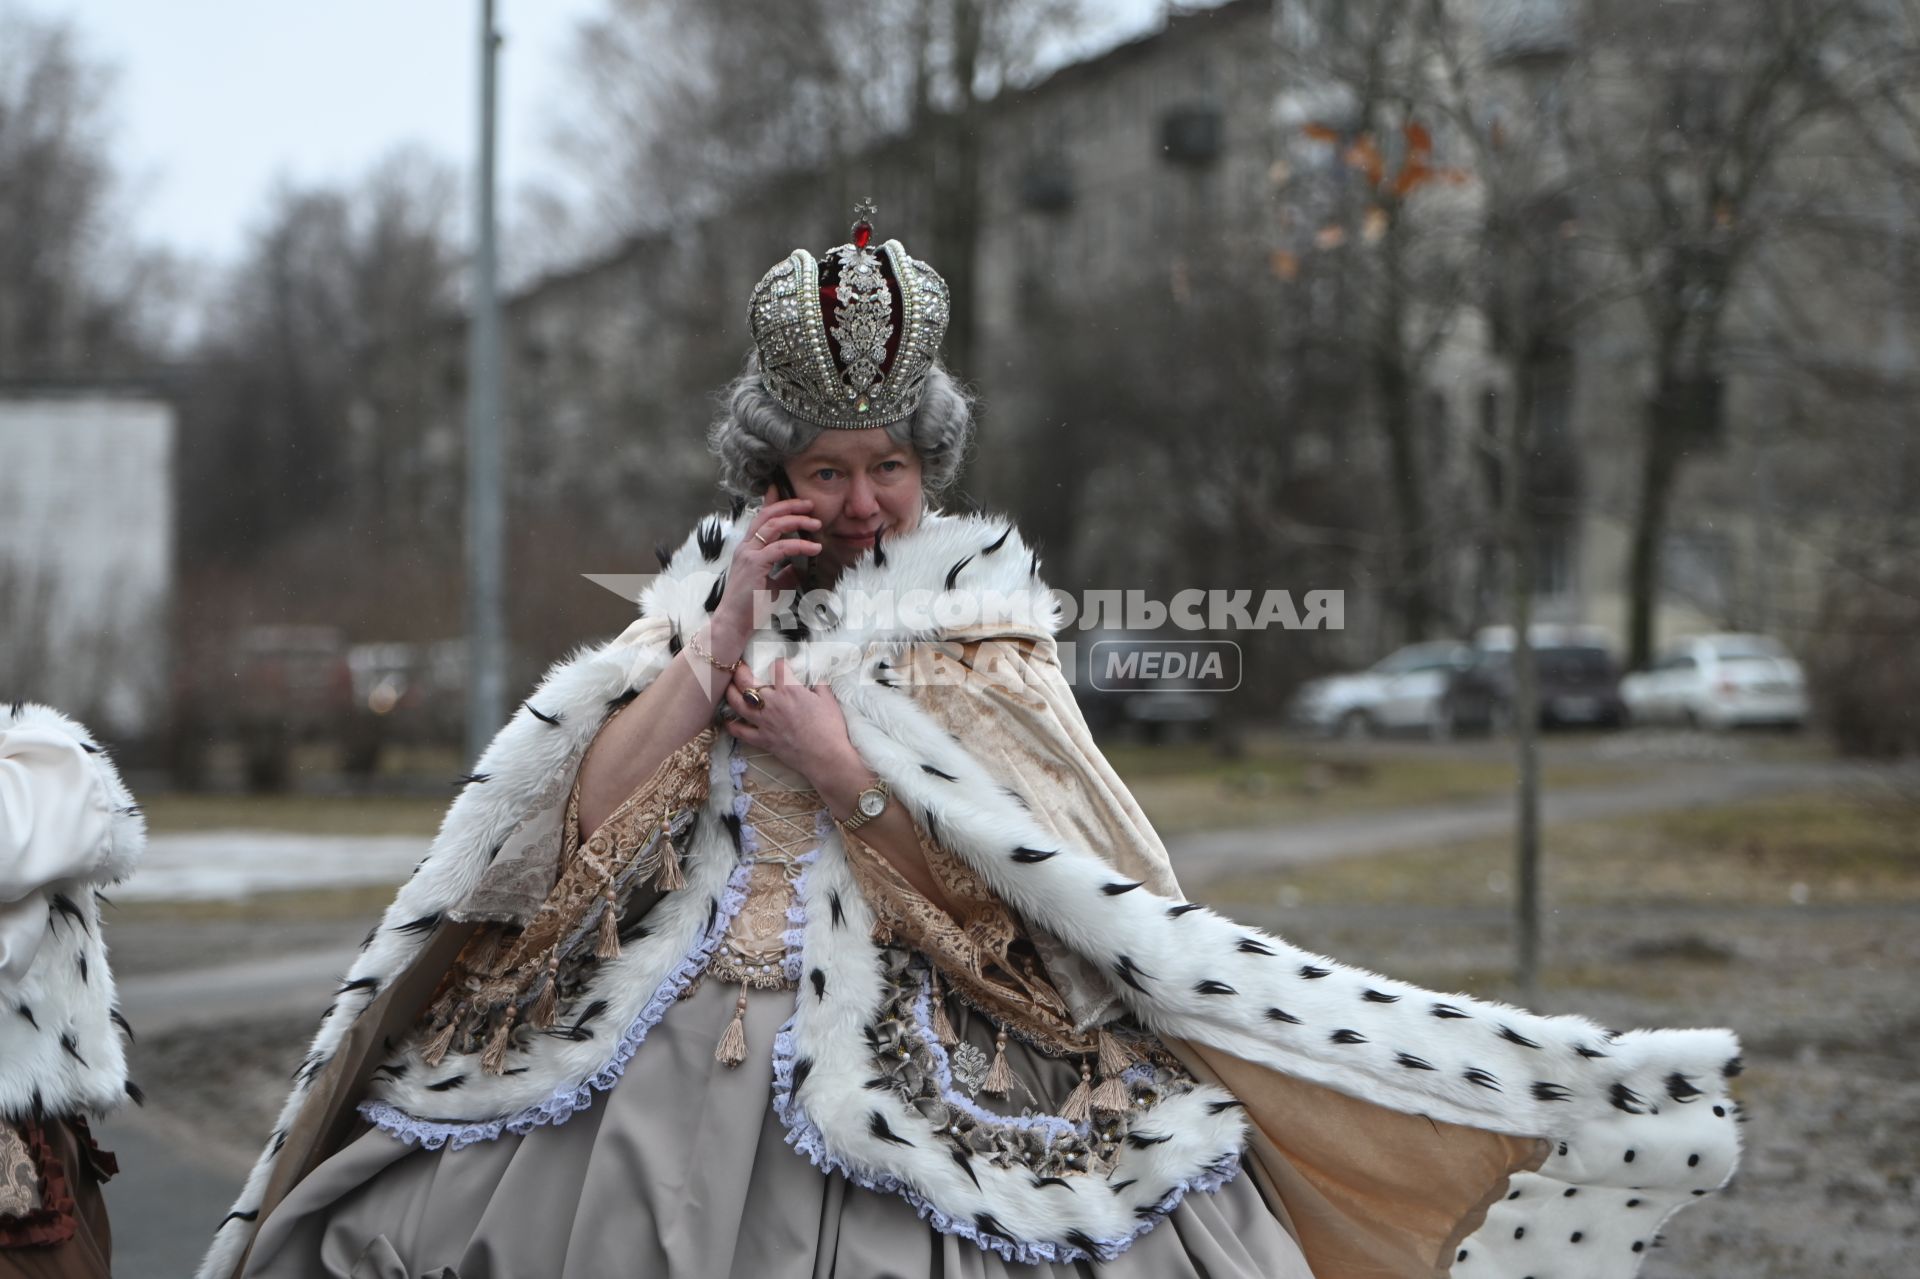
(1118, 691)
(403, 695)
(1403, 692)
(1720, 681)
(1578, 684)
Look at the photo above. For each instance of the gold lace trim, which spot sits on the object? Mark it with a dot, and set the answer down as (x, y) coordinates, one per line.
(505, 978)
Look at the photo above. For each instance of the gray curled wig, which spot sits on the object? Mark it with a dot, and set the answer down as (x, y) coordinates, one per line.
(752, 434)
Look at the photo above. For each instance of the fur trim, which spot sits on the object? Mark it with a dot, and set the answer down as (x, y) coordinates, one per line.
(1184, 971)
(61, 1048)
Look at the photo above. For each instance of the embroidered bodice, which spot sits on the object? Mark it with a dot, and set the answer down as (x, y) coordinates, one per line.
(783, 821)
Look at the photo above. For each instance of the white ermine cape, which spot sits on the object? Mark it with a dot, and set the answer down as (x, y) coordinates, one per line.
(1616, 1130)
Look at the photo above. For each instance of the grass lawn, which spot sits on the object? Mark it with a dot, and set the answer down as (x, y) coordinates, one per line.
(1800, 850)
(1186, 787)
(169, 813)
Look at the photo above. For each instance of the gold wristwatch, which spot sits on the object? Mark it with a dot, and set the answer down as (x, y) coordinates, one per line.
(869, 804)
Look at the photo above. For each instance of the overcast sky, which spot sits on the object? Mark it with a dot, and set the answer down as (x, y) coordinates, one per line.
(218, 97)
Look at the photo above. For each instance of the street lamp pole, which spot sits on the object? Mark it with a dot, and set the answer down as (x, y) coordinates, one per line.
(486, 518)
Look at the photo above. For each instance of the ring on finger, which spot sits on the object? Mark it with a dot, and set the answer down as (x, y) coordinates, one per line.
(752, 698)
(761, 538)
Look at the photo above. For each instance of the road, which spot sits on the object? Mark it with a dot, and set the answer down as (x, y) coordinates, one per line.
(177, 1185)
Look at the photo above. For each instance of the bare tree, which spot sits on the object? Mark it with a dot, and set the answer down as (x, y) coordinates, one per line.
(1704, 120)
(1375, 216)
(74, 293)
(688, 104)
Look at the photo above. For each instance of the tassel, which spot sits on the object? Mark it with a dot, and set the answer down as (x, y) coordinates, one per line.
(942, 1025)
(1112, 1097)
(494, 1059)
(732, 1049)
(608, 947)
(436, 1048)
(547, 1006)
(1115, 1057)
(1079, 1105)
(670, 878)
(999, 1080)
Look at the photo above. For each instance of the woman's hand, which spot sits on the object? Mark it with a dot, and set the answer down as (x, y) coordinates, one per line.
(757, 567)
(800, 723)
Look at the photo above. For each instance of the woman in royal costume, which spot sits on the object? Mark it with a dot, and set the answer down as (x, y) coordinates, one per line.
(823, 941)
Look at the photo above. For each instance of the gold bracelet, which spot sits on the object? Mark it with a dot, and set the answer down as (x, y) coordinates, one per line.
(693, 646)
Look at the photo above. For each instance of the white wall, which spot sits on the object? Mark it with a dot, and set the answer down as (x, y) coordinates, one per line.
(86, 554)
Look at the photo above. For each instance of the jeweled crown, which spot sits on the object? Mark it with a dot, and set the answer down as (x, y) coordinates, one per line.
(846, 340)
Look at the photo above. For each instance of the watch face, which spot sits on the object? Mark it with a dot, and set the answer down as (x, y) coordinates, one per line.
(872, 803)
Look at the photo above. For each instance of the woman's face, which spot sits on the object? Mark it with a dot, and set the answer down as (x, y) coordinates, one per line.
(862, 484)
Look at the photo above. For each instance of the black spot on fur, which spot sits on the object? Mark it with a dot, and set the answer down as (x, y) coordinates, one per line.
(1281, 1014)
(877, 1127)
(1312, 973)
(1379, 997)
(1513, 1036)
(1348, 1037)
(1029, 856)
(819, 980)
(1733, 1068)
(250, 1214)
(368, 984)
(1174, 912)
(710, 537)
(1033, 565)
(675, 643)
(945, 777)
(997, 542)
(120, 1020)
(1480, 1078)
(1209, 986)
(424, 924)
(1253, 946)
(953, 573)
(80, 962)
(474, 779)
(965, 1160)
(135, 1093)
(615, 703)
(1041, 1183)
(27, 1012)
(1625, 1098)
(663, 555)
(1446, 1012)
(279, 1142)
(1680, 1088)
(1589, 1053)
(839, 911)
(1119, 886)
(1545, 1091)
(879, 551)
(638, 930)
(714, 592)
(1118, 1186)
(1084, 1242)
(732, 821)
(1130, 973)
(1412, 1062)
(63, 904)
(735, 507)
(394, 1070)
(90, 748)
(551, 721)
(448, 1084)
(71, 1049)
(1220, 1107)
(1141, 1140)
(801, 1069)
